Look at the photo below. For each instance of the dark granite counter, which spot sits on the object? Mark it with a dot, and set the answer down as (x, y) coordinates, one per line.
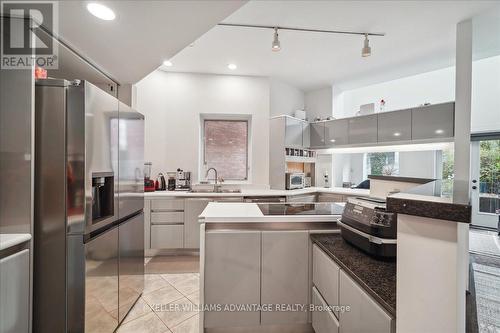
(419, 201)
(402, 179)
(375, 276)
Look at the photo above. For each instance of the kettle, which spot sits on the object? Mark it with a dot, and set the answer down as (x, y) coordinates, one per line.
(160, 184)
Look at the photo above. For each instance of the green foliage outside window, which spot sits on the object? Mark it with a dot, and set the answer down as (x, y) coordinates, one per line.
(489, 173)
(382, 164)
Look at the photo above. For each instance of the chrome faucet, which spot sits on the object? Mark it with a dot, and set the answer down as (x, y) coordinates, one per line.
(216, 187)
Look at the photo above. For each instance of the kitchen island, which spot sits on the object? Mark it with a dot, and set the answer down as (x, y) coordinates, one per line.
(171, 217)
(268, 254)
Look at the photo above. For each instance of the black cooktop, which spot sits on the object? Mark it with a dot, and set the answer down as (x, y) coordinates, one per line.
(322, 208)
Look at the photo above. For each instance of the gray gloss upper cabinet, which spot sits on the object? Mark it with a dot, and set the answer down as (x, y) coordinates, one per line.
(336, 132)
(317, 134)
(293, 132)
(306, 135)
(394, 126)
(363, 129)
(433, 121)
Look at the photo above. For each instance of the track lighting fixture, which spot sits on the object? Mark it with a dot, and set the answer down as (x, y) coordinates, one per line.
(366, 51)
(276, 42)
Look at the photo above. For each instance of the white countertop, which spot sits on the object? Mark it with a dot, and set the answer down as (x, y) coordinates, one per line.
(260, 192)
(9, 240)
(236, 212)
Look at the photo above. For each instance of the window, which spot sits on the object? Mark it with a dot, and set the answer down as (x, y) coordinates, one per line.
(386, 164)
(225, 147)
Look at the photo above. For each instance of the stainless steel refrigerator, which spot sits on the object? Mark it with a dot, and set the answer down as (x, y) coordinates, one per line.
(89, 222)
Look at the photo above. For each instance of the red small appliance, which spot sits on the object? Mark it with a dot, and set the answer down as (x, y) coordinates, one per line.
(149, 184)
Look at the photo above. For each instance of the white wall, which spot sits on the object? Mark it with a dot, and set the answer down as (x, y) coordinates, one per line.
(284, 98)
(323, 164)
(486, 95)
(319, 103)
(172, 104)
(432, 87)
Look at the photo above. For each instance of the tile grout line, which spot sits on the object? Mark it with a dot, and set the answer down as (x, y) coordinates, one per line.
(183, 296)
(181, 322)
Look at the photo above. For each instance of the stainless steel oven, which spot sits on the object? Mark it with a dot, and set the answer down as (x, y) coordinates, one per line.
(294, 180)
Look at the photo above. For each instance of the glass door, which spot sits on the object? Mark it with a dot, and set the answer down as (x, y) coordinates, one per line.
(485, 172)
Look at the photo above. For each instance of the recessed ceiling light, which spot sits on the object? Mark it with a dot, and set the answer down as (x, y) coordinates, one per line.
(439, 131)
(167, 63)
(332, 140)
(232, 66)
(101, 11)
(397, 134)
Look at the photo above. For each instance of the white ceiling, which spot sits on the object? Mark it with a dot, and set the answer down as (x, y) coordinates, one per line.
(143, 34)
(420, 37)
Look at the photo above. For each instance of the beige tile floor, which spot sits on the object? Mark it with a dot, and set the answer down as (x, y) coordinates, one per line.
(170, 298)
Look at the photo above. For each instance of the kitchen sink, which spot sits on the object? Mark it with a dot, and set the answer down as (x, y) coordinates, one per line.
(212, 191)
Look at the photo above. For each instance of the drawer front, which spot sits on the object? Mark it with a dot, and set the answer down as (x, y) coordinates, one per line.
(326, 276)
(167, 204)
(365, 314)
(323, 320)
(331, 198)
(167, 217)
(301, 198)
(228, 199)
(167, 236)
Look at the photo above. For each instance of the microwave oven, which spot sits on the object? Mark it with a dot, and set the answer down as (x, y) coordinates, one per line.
(294, 180)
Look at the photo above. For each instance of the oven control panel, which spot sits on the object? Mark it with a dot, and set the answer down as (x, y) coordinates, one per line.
(368, 213)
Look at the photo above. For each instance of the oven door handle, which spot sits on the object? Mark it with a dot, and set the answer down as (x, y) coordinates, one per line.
(371, 238)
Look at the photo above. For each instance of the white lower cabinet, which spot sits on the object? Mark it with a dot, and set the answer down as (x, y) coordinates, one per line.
(232, 276)
(15, 293)
(285, 277)
(167, 236)
(365, 314)
(326, 276)
(323, 320)
(167, 217)
(172, 223)
(193, 208)
(333, 287)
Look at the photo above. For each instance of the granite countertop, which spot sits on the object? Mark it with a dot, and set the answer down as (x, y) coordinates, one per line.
(428, 201)
(377, 277)
(264, 192)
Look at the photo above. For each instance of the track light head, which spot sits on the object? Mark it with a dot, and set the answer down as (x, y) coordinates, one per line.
(276, 42)
(366, 51)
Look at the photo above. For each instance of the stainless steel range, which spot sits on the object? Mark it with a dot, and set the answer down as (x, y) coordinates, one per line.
(89, 222)
(367, 224)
